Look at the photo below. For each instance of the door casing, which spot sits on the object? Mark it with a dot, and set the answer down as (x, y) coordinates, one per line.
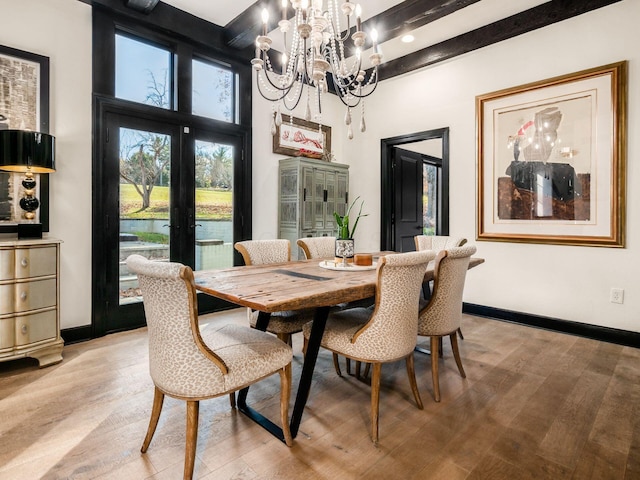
(388, 187)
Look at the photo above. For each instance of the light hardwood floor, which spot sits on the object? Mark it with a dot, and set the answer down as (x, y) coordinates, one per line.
(535, 405)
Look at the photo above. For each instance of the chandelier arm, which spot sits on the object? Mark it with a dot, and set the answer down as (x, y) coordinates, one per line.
(282, 93)
(279, 87)
(297, 101)
(352, 77)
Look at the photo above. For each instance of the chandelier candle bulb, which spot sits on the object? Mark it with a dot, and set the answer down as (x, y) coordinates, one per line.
(265, 19)
(358, 17)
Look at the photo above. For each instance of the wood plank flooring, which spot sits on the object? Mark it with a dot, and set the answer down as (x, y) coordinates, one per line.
(535, 405)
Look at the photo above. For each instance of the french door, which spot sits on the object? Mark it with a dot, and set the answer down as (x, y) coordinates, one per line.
(167, 192)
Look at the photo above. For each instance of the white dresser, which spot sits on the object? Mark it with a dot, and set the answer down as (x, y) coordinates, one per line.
(30, 300)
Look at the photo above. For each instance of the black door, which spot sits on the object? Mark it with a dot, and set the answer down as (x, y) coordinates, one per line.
(414, 195)
(407, 212)
(166, 192)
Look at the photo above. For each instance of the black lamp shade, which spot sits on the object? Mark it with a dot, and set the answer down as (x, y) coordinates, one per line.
(22, 151)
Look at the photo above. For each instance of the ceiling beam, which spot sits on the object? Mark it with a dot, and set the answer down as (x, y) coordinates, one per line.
(523, 22)
(411, 14)
(169, 18)
(242, 31)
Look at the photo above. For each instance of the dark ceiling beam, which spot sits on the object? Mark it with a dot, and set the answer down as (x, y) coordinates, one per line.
(242, 31)
(523, 22)
(411, 14)
(168, 18)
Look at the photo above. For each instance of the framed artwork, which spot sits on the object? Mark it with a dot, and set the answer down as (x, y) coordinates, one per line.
(551, 160)
(24, 105)
(296, 137)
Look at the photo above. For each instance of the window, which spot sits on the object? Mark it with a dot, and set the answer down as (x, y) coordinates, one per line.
(143, 72)
(213, 91)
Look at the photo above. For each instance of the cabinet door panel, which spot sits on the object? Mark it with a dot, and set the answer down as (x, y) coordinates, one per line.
(307, 198)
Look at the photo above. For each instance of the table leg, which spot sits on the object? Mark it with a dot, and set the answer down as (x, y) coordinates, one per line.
(313, 346)
(264, 422)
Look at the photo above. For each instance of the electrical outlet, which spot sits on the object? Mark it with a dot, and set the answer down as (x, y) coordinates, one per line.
(617, 295)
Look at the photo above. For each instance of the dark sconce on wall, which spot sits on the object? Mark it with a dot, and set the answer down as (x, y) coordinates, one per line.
(29, 153)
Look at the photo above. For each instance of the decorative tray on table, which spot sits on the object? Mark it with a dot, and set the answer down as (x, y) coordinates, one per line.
(350, 267)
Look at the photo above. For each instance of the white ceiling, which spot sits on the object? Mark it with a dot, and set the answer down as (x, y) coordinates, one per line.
(221, 12)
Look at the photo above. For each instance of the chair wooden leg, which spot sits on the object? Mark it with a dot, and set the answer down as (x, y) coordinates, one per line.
(375, 400)
(435, 341)
(456, 354)
(367, 369)
(336, 364)
(460, 334)
(305, 342)
(358, 369)
(411, 373)
(285, 395)
(232, 399)
(348, 366)
(158, 399)
(441, 350)
(192, 438)
(285, 337)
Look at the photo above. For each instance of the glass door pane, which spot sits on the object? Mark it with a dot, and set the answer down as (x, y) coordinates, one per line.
(145, 205)
(214, 167)
(429, 199)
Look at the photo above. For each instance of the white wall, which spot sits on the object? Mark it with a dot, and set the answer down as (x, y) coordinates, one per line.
(565, 282)
(570, 283)
(61, 30)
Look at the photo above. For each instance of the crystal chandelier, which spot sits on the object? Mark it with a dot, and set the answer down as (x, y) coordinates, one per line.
(316, 46)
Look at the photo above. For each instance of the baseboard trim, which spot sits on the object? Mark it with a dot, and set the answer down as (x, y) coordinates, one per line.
(595, 332)
(76, 334)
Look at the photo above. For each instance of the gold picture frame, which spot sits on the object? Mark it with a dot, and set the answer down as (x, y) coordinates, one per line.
(552, 160)
(299, 138)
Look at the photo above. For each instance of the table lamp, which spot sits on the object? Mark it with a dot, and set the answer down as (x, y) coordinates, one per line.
(27, 152)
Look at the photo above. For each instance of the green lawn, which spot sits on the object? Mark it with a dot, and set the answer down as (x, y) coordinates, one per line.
(210, 204)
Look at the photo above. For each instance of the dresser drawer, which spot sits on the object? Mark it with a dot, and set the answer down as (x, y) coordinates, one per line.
(6, 332)
(25, 296)
(7, 265)
(35, 262)
(35, 327)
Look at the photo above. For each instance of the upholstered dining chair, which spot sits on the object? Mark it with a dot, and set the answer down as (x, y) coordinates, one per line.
(318, 247)
(386, 332)
(323, 247)
(442, 315)
(263, 252)
(191, 364)
(437, 243)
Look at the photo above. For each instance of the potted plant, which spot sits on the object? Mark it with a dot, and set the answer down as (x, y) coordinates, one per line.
(345, 247)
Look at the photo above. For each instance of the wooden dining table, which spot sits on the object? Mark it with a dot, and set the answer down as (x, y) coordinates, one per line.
(294, 285)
